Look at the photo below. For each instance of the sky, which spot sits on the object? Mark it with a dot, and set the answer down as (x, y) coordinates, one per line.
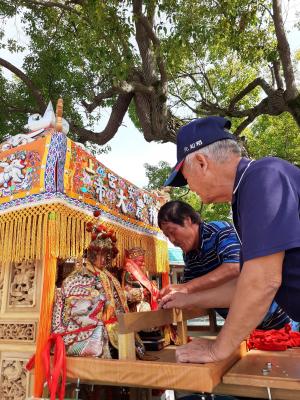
(129, 150)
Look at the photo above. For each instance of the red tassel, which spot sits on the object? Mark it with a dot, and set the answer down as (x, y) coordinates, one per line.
(276, 340)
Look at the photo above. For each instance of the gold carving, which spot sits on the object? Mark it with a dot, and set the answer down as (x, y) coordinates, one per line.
(13, 379)
(15, 331)
(22, 284)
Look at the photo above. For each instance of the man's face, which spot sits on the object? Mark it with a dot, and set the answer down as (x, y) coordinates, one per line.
(203, 178)
(185, 237)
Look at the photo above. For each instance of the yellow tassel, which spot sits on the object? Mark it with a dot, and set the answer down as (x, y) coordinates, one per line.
(39, 237)
(28, 238)
(33, 237)
(23, 234)
(44, 326)
(44, 234)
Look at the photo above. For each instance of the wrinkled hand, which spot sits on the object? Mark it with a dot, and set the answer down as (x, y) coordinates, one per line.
(181, 288)
(199, 351)
(175, 300)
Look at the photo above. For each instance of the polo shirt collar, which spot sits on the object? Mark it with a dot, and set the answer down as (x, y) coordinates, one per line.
(200, 243)
(198, 249)
(242, 165)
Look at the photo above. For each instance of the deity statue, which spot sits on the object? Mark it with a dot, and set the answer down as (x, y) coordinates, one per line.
(142, 293)
(87, 304)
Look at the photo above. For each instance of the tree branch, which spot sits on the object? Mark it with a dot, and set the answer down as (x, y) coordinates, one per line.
(156, 44)
(13, 109)
(209, 85)
(252, 85)
(97, 100)
(125, 87)
(28, 82)
(271, 68)
(198, 87)
(143, 37)
(278, 78)
(184, 102)
(284, 52)
(143, 43)
(51, 4)
(245, 123)
(115, 120)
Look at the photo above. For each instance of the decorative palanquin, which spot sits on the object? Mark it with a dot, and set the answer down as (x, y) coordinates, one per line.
(49, 188)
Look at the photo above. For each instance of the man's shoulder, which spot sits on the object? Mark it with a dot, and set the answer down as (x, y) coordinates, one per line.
(273, 164)
(216, 226)
(272, 173)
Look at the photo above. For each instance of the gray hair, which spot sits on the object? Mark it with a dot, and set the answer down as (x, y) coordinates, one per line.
(219, 151)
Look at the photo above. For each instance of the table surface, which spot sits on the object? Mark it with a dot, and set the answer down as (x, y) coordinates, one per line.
(241, 374)
(162, 372)
(284, 371)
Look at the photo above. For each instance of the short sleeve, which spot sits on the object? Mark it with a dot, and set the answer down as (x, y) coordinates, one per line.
(268, 209)
(228, 246)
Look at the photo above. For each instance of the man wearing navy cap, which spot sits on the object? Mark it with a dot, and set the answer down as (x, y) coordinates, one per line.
(265, 197)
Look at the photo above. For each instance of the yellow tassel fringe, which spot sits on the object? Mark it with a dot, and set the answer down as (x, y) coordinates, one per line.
(24, 234)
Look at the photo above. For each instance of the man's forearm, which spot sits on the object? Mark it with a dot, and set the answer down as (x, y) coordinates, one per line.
(255, 290)
(224, 273)
(218, 297)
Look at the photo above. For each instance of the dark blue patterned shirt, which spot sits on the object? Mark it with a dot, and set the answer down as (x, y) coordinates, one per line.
(218, 244)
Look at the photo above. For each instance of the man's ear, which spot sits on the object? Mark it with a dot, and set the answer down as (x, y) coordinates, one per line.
(187, 221)
(202, 162)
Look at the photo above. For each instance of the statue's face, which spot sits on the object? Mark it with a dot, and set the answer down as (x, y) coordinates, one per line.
(103, 259)
(140, 261)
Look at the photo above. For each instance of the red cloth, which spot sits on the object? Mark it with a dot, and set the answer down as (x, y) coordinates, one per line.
(56, 373)
(276, 340)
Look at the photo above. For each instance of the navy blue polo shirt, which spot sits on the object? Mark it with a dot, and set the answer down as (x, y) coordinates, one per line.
(266, 214)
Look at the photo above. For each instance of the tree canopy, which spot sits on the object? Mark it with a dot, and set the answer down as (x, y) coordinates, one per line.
(162, 61)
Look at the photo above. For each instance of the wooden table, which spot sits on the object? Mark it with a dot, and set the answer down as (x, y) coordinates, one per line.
(240, 375)
(164, 372)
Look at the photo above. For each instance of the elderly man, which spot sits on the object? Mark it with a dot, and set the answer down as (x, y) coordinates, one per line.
(265, 197)
(211, 255)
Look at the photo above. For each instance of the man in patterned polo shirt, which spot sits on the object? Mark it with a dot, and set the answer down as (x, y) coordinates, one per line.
(211, 255)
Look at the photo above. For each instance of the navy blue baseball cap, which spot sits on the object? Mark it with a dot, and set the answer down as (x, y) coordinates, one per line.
(191, 137)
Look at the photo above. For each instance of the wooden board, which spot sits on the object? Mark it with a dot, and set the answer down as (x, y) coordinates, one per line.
(284, 373)
(137, 321)
(164, 372)
(256, 392)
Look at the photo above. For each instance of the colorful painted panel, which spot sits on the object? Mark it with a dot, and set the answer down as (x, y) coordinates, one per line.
(90, 181)
(22, 169)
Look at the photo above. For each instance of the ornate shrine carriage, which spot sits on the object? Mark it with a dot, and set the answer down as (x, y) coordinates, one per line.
(49, 188)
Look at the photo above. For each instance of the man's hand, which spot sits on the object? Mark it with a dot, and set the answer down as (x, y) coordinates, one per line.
(199, 351)
(181, 288)
(175, 300)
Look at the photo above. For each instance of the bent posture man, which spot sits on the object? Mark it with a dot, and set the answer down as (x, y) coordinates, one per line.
(265, 197)
(211, 255)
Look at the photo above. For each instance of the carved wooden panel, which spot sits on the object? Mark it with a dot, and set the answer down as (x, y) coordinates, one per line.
(22, 284)
(14, 379)
(17, 332)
